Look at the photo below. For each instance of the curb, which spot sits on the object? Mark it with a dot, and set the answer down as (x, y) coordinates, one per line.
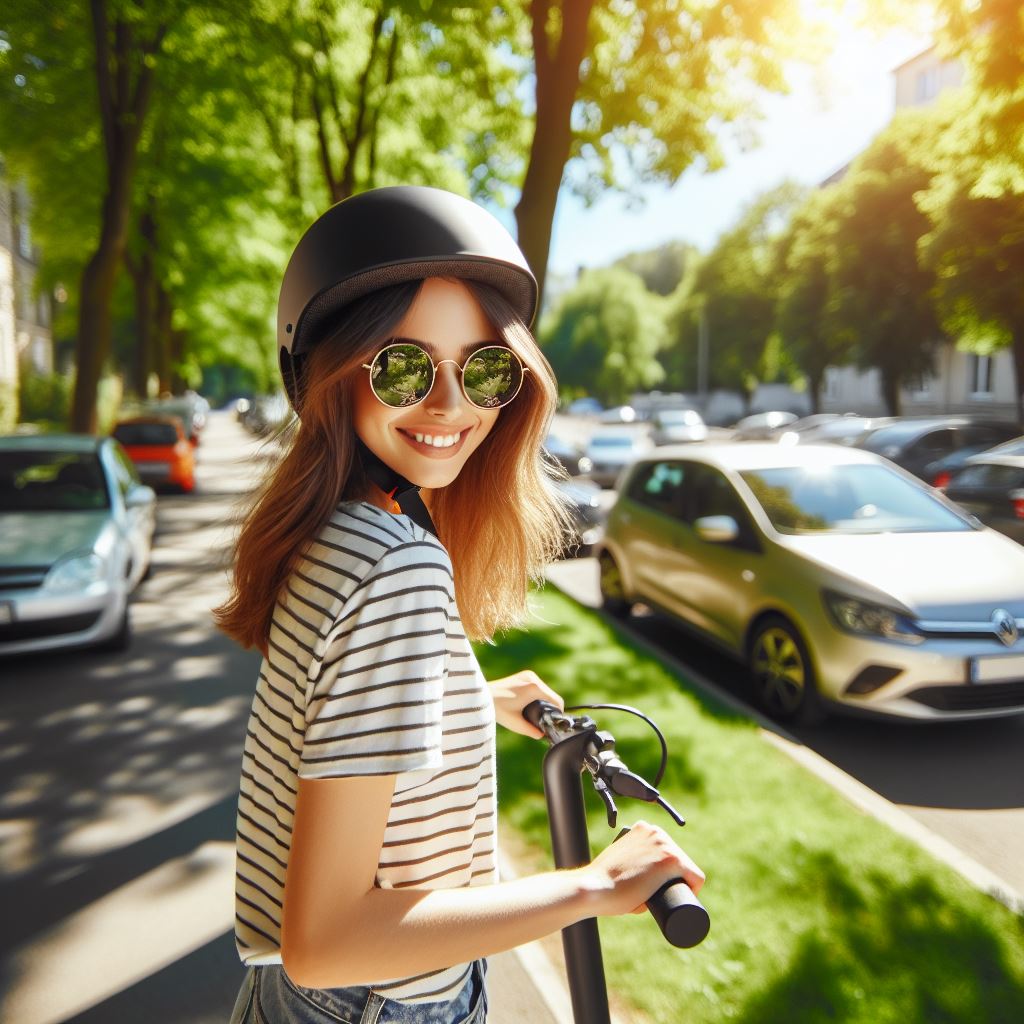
(854, 791)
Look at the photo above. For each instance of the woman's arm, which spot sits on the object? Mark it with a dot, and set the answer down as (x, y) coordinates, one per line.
(340, 930)
(511, 694)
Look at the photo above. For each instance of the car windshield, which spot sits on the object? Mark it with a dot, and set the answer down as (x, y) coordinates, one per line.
(989, 475)
(848, 499)
(612, 442)
(146, 434)
(51, 481)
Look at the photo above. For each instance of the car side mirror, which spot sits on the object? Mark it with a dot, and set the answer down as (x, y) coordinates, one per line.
(139, 496)
(717, 529)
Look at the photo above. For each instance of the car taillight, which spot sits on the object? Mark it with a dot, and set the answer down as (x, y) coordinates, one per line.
(1017, 497)
(942, 479)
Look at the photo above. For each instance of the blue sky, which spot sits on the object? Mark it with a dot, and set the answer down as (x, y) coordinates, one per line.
(830, 114)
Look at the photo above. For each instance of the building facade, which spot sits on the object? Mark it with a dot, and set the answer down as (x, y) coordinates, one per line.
(26, 337)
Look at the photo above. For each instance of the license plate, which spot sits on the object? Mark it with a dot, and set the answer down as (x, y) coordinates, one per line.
(997, 669)
(6, 612)
(154, 468)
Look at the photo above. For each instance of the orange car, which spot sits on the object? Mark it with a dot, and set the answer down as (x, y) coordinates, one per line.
(158, 447)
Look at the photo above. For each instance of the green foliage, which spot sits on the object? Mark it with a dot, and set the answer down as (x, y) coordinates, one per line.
(661, 269)
(8, 406)
(661, 78)
(805, 264)
(45, 397)
(734, 289)
(883, 307)
(603, 337)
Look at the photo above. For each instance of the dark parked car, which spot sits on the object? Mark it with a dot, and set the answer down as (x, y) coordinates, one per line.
(991, 486)
(923, 446)
(573, 461)
(588, 515)
(832, 430)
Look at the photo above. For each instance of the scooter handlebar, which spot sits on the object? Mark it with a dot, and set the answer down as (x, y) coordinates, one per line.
(681, 917)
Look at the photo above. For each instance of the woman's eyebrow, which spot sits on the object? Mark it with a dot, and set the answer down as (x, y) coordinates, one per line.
(466, 349)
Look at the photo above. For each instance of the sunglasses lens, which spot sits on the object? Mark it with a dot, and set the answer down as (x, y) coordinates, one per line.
(401, 375)
(493, 377)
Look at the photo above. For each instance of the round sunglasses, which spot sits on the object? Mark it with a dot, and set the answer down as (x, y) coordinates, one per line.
(403, 373)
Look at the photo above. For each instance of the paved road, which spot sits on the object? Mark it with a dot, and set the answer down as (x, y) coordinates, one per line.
(964, 781)
(118, 806)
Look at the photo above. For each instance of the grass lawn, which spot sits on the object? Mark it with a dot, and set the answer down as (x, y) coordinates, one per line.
(818, 912)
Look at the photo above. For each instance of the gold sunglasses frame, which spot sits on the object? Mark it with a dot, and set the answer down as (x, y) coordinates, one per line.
(524, 370)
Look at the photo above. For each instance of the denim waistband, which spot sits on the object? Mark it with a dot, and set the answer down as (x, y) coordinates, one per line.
(269, 996)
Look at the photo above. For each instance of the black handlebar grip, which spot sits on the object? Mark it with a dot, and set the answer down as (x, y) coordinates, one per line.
(535, 709)
(680, 915)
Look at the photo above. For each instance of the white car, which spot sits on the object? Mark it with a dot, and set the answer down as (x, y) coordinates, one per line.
(835, 576)
(611, 449)
(76, 530)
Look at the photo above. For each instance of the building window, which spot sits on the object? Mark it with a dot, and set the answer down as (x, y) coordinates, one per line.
(979, 376)
(24, 241)
(919, 387)
(927, 85)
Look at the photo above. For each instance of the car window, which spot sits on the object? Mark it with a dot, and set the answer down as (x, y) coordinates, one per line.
(658, 486)
(125, 473)
(146, 433)
(711, 494)
(934, 444)
(987, 434)
(986, 475)
(848, 499)
(51, 481)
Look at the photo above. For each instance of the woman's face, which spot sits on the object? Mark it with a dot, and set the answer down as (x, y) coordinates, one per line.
(447, 321)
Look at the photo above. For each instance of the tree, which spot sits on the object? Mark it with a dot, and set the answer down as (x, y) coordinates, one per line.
(804, 270)
(734, 291)
(603, 337)
(976, 250)
(641, 85)
(883, 305)
(661, 269)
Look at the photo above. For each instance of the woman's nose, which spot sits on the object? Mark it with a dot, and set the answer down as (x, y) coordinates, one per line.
(446, 394)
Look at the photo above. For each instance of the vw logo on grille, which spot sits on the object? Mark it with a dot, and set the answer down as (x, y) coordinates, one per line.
(1005, 626)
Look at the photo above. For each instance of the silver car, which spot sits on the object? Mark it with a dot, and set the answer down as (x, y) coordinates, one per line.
(837, 578)
(611, 449)
(76, 529)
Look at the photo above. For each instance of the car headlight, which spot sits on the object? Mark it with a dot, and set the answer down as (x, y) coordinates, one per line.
(75, 573)
(867, 619)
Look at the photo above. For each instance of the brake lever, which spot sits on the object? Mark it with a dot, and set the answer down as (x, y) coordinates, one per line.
(609, 801)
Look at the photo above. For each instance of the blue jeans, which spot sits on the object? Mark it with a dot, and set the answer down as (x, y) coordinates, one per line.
(269, 996)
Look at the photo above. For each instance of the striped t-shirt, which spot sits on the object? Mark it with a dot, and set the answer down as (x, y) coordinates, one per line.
(369, 672)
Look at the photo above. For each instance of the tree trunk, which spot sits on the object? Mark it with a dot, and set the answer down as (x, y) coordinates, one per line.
(557, 79)
(144, 278)
(814, 380)
(891, 391)
(96, 290)
(1017, 348)
(122, 113)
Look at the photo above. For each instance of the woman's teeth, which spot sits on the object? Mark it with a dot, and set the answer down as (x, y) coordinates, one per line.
(438, 440)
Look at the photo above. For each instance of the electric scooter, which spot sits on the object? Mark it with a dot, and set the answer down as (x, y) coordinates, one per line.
(576, 744)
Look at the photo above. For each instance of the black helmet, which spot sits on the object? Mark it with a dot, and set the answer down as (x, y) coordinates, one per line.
(389, 236)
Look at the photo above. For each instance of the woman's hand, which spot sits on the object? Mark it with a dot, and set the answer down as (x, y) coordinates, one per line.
(512, 693)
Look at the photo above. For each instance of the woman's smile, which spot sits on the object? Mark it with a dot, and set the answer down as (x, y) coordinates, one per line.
(437, 443)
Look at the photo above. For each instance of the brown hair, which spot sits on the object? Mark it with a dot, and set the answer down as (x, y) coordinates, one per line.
(500, 519)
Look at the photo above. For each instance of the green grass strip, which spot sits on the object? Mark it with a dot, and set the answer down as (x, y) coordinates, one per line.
(819, 912)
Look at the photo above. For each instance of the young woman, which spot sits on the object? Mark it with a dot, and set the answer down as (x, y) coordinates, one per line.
(407, 517)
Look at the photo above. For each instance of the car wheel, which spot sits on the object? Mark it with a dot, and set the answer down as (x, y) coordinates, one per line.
(613, 592)
(122, 639)
(782, 674)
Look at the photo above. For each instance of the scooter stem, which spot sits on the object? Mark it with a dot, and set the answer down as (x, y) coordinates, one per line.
(563, 790)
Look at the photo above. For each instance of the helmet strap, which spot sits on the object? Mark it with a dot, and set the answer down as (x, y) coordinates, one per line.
(401, 492)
